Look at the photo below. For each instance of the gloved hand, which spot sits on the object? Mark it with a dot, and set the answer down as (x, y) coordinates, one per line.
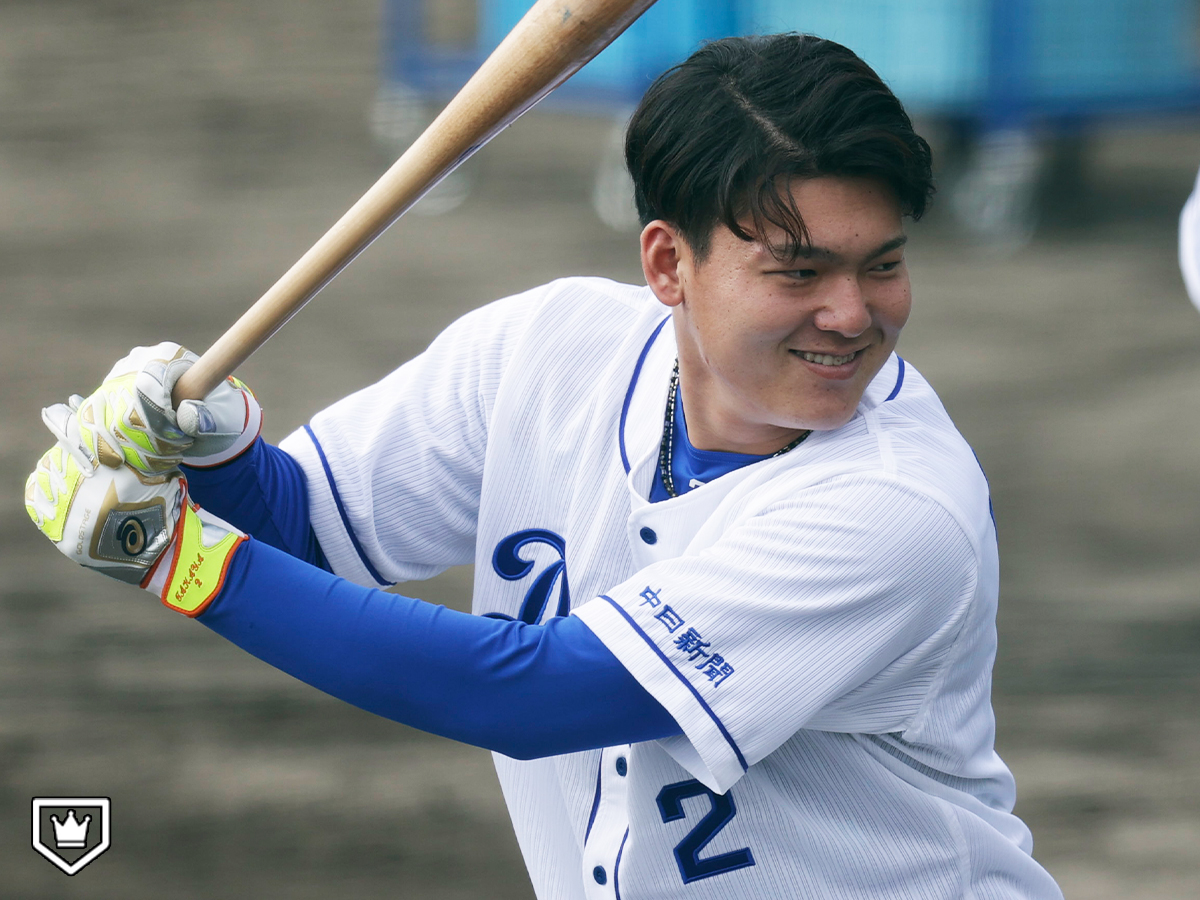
(129, 418)
(133, 527)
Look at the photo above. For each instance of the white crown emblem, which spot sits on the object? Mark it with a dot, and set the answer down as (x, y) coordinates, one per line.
(70, 850)
(71, 833)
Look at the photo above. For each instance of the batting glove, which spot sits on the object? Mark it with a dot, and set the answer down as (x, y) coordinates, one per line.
(139, 529)
(129, 419)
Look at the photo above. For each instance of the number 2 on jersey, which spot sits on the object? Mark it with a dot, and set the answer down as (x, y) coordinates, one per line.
(687, 851)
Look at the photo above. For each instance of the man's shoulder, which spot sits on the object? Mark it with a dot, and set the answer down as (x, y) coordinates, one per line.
(921, 445)
(585, 296)
(565, 316)
(903, 436)
(589, 316)
(911, 413)
(580, 337)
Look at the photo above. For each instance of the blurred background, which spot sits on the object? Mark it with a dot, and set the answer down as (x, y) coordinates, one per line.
(162, 164)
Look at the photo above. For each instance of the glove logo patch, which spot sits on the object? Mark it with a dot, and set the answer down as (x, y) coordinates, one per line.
(132, 535)
(131, 532)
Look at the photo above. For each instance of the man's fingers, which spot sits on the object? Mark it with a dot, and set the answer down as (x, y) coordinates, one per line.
(195, 418)
(63, 424)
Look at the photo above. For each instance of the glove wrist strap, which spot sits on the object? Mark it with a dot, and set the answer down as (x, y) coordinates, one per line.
(190, 575)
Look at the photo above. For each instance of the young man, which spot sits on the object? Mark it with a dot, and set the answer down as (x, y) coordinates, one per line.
(736, 574)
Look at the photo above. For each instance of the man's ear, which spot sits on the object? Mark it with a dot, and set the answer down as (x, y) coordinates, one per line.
(664, 252)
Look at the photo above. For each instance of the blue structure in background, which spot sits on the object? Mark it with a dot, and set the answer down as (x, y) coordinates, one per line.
(997, 62)
(665, 34)
(1008, 74)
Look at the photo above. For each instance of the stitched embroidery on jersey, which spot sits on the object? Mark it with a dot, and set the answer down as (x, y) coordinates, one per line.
(715, 668)
(511, 566)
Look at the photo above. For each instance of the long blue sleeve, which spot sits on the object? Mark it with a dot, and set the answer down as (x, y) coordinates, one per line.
(264, 493)
(526, 691)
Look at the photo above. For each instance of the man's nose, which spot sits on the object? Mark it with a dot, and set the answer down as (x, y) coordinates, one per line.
(845, 308)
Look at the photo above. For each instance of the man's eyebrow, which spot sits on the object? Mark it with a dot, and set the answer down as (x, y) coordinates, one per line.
(888, 246)
(808, 251)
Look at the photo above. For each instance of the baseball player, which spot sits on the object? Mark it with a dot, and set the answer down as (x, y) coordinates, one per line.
(736, 572)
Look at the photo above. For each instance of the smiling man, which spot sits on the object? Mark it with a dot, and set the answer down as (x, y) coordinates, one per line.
(736, 575)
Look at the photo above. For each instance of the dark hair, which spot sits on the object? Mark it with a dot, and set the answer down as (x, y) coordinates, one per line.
(718, 137)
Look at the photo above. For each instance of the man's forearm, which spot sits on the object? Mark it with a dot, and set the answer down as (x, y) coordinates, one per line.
(524, 690)
(264, 493)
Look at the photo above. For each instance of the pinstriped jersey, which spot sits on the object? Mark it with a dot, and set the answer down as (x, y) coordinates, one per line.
(819, 624)
(1189, 244)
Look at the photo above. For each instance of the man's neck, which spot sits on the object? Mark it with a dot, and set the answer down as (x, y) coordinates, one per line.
(716, 426)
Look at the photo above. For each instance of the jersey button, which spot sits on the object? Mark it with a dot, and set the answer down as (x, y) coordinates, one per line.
(622, 766)
(600, 875)
(649, 536)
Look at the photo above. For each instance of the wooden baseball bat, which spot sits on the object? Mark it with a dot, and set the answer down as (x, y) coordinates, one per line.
(553, 41)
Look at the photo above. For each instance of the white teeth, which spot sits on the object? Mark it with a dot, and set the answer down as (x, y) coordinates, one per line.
(824, 359)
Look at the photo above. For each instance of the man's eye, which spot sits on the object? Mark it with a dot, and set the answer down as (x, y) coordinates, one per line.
(803, 273)
(888, 266)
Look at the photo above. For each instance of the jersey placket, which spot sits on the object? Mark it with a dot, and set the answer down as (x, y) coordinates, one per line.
(665, 530)
(606, 840)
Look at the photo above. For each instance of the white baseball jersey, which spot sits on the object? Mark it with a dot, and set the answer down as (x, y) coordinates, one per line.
(820, 624)
(1189, 244)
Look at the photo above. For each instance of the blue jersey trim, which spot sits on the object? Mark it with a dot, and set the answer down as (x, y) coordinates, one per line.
(596, 799)
(337, 499)
(708, 709)
(617, 866)
(637, 370)
(899, 381)
(983, 472)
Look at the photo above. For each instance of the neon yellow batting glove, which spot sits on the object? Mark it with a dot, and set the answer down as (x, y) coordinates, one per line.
(130, 419)
(136, 528)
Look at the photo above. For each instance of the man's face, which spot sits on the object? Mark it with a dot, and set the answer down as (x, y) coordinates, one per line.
(769, 347)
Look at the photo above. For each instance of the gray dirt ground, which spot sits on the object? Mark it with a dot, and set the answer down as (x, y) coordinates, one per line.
(161, 164)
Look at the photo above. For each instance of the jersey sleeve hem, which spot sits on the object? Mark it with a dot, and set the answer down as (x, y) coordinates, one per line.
(706, 748)
(328, 519)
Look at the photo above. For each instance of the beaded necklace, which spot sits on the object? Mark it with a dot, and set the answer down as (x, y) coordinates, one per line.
(668, 437)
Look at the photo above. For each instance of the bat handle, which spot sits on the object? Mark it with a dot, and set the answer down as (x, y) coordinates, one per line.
(199, 381)
(210, 370)
(237, 344)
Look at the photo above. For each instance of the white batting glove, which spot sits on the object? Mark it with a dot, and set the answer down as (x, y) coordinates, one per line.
(129, 419)
(136, 528)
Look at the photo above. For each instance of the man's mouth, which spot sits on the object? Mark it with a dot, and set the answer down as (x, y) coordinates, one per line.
(826, 359)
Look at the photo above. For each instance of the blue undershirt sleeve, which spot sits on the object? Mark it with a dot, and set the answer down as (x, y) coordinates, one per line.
(526, 691)
(265, 494)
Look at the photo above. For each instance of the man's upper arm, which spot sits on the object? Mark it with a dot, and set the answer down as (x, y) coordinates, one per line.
(394, 470)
